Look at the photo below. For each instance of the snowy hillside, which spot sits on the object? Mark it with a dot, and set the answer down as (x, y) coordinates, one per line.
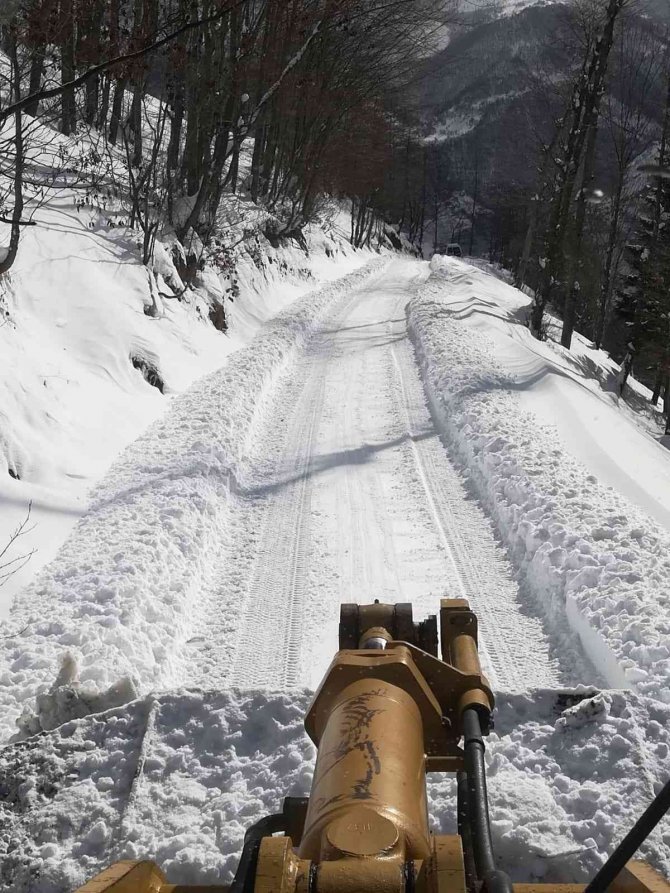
(395, 434)
(77, 346)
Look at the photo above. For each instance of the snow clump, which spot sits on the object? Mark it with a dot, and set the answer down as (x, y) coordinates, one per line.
(68, 699)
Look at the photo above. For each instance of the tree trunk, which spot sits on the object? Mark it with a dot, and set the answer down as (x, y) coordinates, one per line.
(520, 277)
(473, 212)
(261, 126)
(136, 123)
(190, 163)
(211, 183)
(234, 169)
(625, 371)
(92, 96)
(575, 256)
(269, 157)
(658, 384)
(176, 121)
(371, 222)
(534, 217)
(68, 107)
(422, 209)
(36, 72)
(256, 160)
(89, 50)
(191, 169)
(113, 52)
(103, 111)
(608, 272)
(15, 235)
(117, 109)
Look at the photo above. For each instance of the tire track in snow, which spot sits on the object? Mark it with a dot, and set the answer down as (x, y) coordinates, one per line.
(269, 642)
(268, 647)
(250, 631)
(480, 573)
(352, 496)
(360, 431)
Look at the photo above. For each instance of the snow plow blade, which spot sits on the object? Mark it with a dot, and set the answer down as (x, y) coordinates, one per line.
(387, 712)
(140, 877)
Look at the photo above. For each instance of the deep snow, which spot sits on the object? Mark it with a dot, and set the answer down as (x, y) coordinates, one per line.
(72, 320)
(178, 777)
(309, 470)
(584, 551)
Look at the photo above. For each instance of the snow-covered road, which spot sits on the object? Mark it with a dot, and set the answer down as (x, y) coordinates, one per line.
(310, 470)
(351, 496)
(367, 444)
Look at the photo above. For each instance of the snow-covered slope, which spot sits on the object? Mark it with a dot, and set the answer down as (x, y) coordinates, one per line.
(73, 330)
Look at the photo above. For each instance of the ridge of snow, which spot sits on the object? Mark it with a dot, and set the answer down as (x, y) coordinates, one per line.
(78, 306)
(585, 552)
(118, 595)
(505, 8)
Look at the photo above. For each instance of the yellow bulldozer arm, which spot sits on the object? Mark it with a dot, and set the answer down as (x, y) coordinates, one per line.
(388, 711)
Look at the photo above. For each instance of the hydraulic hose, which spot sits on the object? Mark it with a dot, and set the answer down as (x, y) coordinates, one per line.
(494, 881)
(632, 841)
(463, 818)
(245, 876)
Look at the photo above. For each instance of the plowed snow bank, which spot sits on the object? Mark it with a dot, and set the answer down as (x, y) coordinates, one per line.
(122, 593)
(582, 549)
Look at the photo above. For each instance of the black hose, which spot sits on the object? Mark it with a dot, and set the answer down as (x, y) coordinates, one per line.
(478, 807)
(494, 881)
(463, 819)
(245, 876)
(632, 841)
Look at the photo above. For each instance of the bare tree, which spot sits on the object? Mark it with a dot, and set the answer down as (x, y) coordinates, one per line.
(638, 64)
(147, 181)
(16, 177)
(576, 158)
(12, 564)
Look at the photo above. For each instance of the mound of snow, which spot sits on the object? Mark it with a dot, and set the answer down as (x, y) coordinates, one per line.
(68, 699)
(122, 594)
(179, 777)
(583, 550)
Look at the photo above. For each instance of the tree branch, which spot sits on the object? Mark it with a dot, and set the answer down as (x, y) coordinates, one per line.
(49, 93)
(10, 566)
(17, 222)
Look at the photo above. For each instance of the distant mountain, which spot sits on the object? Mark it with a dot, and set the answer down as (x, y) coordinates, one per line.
(482, 90)
(490, 96)
(655, 9)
